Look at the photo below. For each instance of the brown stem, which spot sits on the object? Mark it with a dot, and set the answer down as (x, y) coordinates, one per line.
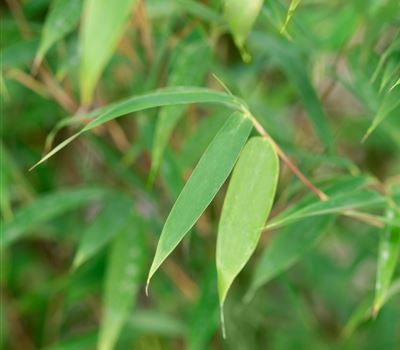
(321, 195)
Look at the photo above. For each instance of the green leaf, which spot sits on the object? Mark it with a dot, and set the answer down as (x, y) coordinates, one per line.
(62, 18)
(108, 223)
(196, 55)
(163, 97)
(246, 207)
(389, 248)
(122, 281)
(207, 178)
(46, 208)
(102, 27)
(289, 59)
(292, 8)
(241, 16)
(286, 248)
(336, 204)
(389, 103)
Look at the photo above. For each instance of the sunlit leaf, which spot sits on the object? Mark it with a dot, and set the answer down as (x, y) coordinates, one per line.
(108, 223)
(63, 16)
(46, 208)
(389, 248)
(207, 178)
(102, 27)
(246, 207)
(122, 281)
(286, 248)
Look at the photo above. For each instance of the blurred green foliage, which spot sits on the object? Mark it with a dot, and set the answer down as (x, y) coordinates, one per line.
(79, 231)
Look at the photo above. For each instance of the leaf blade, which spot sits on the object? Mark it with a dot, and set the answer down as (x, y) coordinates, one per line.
(218, 159)
(246, 206)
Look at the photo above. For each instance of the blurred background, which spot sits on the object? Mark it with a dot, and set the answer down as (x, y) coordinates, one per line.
(80, 230)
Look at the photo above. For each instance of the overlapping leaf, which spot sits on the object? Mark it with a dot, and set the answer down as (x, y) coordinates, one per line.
(207, 178)
(246, 207)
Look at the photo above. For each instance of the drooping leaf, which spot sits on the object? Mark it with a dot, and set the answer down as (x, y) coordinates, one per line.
(294, 67)
(389, 248)
(207, 178)
(103, 24)
(108, 223)
(246, 207)
(122, 281)
(182, 73)
(338, 203)
(241, 16)
(62, 18)
(163, 97)
(46, 208)
(286, 248)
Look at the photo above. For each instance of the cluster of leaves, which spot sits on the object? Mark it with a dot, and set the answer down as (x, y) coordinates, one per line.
(208, 90)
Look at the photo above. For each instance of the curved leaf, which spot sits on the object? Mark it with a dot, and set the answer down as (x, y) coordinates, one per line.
(246, 207)
(102, 27)
(207, 178)
(163, 97)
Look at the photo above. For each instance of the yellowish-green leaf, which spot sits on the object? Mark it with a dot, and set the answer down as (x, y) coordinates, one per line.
(241, 16)
(122, 281)
(61, 19)
(207, 178)
(389, 248)
(292, 8)
(103, 25)
(246, 207)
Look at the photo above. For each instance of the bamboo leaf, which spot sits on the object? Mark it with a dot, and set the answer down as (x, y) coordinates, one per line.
(46, 208)
(207, 178)
(196, 55)
(123, 278)
(286, 248)
(63, 16)
(246, 207)
(389, 248)
(336, 204)
(103, 24)
(163, 97)
(108, 223)
(241, 16)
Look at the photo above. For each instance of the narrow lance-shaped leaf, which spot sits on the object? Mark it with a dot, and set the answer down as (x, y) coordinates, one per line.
(102, 27)
(163, 97)
(108, 223)
(246, 207)
(241, 16)
(46, 208)
(122, 281)
(63, 16)
(286, 248)
(336, 204)
(207, 178)
(182, 73)
(389, 248)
